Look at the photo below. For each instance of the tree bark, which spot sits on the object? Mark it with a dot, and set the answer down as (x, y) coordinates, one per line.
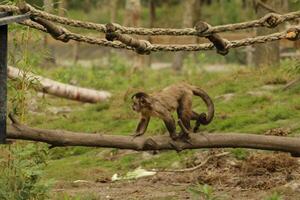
(267, 54)
(60, 89)
(58, 138)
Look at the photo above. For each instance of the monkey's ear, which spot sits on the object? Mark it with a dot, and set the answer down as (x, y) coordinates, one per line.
(140, 95)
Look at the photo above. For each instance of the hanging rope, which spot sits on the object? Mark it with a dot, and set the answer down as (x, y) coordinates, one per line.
(270, 20)
(44, 22)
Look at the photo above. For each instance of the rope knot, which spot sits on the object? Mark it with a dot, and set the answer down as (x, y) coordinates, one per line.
(24, 7)
(202, 28)
(140, 46)
(111, 33)
(221, 44)
(293, 34)
(145, 48)
(64, 35)
(271, 20)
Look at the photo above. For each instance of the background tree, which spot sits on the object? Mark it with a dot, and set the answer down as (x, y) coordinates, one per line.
(267, 54)
(62, 6)
(190, 8)
(48, 7)
(113, 10)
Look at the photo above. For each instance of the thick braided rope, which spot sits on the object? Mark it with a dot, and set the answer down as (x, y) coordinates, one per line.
(231, 44)
(78, 37)
(158, 31)
(156, 47)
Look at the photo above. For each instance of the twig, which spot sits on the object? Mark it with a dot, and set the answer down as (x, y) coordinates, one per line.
(13, 119)
(291, 84)
(195, 167)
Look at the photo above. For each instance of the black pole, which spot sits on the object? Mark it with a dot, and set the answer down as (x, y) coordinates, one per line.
(3, 79)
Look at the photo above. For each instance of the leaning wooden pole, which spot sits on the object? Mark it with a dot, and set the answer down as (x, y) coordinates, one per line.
(60, 89)
(58, 138)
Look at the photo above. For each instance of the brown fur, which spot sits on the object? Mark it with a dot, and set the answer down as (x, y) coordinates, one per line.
(175, 97)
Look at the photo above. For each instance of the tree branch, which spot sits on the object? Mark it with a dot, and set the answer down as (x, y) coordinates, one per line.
(58, 138)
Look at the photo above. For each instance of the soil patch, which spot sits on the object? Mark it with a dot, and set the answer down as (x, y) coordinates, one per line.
(253, 178)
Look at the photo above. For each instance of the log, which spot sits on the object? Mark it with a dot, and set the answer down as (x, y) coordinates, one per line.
(60, 89)
(59, 138)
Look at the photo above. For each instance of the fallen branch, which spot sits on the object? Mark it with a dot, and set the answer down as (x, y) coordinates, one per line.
(60, 89)
(58, 138)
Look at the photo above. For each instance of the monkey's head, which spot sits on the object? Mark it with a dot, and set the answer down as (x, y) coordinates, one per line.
(141, 102)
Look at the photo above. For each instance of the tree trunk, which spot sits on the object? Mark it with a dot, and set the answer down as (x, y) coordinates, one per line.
(152, 17)
(75, 52)
(132, 12)
(132, 18)
(60, 89)
(87, 6)
(152, 11)
(188, 22)
(267, 54)
(58, 138)
(48, 7)
(113, 10)
(62, 6)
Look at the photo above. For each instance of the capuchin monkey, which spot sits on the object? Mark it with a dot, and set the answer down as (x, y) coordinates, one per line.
(174, 97)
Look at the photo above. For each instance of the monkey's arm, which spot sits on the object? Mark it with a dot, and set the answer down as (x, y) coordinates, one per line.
(142, 126)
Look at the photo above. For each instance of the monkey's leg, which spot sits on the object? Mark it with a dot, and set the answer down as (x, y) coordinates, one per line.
(199, 119)
(184, 112)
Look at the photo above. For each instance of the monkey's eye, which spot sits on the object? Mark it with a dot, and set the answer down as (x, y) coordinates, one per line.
(143, 101)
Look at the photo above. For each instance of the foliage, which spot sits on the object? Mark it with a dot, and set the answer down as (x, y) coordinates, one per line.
(21, 170)
(20, 56)
(89, 196)
(291, 66)
(240, 154)
(205, 192)
(274, 196)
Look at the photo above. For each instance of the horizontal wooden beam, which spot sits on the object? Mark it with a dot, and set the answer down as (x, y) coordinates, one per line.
(58, 138)
(13, 19)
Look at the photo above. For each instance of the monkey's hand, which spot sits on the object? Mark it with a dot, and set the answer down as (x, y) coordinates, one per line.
(137, 134)
(174, 137)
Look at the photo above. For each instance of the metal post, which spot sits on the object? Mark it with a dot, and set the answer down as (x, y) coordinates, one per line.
(3, 79)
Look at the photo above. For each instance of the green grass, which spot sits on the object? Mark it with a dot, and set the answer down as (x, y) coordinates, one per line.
(252, 109)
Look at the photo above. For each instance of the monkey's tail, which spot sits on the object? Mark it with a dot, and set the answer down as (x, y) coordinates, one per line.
(205, 118)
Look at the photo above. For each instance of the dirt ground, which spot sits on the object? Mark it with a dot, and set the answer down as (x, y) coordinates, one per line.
(256, 177)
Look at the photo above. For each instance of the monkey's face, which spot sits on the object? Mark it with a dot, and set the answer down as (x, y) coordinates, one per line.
(141, 102)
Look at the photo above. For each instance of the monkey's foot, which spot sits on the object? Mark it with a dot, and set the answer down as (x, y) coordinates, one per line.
(185, 138)
(136, 135)
(175, 146)
(174, 137)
